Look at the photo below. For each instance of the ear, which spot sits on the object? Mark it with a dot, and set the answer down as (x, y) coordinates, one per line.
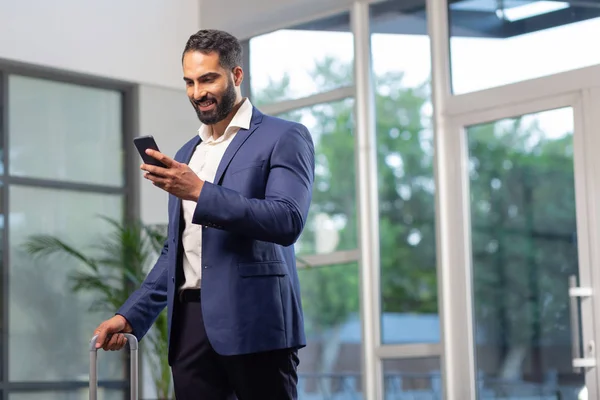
(238, 76)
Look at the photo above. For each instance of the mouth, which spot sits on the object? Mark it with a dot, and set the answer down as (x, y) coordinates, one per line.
(207, 105)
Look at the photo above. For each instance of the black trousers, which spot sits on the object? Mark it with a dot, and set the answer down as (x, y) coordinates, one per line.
(199, 373)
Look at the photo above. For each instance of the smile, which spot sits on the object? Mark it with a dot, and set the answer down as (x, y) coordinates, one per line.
(207, 105)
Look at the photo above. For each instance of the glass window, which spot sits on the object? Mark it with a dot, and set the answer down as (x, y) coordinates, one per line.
(496, 43)
(50, 326)
(405, 170)
(332, 224)
(330, 365)
(64, 132)
(524, 254)
(308, 59)
(412, 378)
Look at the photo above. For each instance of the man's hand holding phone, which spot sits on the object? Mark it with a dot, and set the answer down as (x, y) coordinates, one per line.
(177, 178)
(166, 173)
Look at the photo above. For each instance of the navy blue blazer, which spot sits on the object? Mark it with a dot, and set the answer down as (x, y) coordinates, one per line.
(251, 216)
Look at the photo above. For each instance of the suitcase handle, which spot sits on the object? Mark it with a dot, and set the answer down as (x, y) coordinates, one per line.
(133, 348)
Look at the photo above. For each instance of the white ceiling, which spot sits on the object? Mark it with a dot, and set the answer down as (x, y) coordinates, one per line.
(248, 18)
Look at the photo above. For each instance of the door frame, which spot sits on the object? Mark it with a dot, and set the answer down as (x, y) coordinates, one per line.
(455, 260)
(591, 122)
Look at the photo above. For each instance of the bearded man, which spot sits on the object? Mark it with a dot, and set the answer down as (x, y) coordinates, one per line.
(239, 194)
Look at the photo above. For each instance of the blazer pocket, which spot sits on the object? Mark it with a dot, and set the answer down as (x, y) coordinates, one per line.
(267, 268)
(253, 164)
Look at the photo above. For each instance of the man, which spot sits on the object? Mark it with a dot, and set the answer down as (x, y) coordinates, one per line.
(239, 194)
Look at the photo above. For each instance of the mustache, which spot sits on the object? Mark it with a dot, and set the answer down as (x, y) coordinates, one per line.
(203, 99)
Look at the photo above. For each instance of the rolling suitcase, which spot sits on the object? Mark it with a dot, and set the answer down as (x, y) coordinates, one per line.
(132, 342)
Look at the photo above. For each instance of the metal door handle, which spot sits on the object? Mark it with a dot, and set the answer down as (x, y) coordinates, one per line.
(576, 292)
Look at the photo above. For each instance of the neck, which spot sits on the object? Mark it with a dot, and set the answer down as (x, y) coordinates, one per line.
(218, 129)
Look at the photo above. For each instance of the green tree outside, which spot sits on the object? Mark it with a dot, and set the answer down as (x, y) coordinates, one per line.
(522, 215)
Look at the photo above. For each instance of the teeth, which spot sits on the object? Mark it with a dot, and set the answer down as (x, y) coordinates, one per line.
(206, 103)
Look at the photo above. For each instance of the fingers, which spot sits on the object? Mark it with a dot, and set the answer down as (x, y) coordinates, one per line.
(154, 178)
(111, 342)
(102, 333)
(108, 338)
(116, 342)
(160, 157)
(163, 183)
(154, 170)
(168, 172)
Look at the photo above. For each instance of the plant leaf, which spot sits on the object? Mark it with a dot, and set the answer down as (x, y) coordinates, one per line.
(40, 246)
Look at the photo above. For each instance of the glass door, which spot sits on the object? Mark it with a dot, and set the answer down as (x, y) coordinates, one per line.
(528, 179)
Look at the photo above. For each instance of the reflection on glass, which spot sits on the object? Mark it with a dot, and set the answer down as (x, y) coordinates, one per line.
(64, 131)
(331, 222)
(524, 251)
(496, 43)
(412, 378)
(312, 58)
(50, 326)
(330, 365)
(405, 177)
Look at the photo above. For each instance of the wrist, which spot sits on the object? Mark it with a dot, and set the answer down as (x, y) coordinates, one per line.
(197, 191)
(127, 326)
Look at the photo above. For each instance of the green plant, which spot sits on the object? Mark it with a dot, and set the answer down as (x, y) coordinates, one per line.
(112, 270)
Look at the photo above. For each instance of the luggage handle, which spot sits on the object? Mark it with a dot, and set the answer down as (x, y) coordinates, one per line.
(133, 348)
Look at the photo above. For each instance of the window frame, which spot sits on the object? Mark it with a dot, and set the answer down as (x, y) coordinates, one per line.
(129, 192)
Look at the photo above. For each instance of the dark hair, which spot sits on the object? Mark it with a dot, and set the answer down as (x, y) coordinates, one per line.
(226, 45)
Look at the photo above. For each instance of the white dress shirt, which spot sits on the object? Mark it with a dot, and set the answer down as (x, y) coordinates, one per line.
(204, 163)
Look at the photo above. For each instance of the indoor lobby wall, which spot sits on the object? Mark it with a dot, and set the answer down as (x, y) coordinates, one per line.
(111, 39)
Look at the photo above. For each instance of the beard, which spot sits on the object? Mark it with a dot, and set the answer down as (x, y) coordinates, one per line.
(222, 109)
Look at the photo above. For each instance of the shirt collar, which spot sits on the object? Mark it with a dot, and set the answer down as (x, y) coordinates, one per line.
(241, 120)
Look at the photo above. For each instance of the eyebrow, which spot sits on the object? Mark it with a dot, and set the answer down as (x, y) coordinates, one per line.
(205, 76)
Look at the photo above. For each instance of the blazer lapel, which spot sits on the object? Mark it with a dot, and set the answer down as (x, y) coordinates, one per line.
(236, 143)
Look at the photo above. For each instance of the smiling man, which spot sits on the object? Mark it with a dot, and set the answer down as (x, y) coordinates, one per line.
(239, 194)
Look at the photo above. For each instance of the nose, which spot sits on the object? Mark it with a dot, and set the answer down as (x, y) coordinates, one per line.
(198, 92)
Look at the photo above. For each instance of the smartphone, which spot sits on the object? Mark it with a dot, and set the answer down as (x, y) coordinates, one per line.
(143, 143)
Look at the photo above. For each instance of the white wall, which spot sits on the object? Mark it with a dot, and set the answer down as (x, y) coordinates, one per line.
(245, 18)
(134, 40)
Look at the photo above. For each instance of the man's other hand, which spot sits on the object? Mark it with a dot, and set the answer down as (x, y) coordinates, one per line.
(177, 179)
(110, 333)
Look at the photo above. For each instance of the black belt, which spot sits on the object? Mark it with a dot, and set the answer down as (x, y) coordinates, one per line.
(189, 296)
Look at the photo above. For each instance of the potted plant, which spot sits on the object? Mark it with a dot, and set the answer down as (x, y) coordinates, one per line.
(112, 270)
